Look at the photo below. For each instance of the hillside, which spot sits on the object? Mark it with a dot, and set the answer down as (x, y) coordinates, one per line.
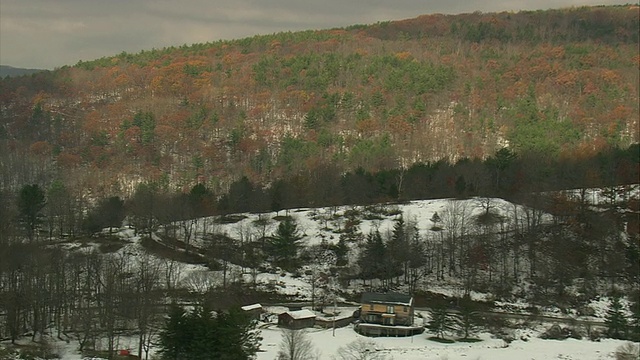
(10, 71)
(557, 84)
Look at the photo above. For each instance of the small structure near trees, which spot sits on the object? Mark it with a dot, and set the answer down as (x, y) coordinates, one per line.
(253, 311)
(299, 319)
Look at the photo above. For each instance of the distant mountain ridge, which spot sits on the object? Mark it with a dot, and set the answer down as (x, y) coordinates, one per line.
(6, 70)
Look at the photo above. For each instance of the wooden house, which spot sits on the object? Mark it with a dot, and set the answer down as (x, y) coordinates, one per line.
(387, 309)
(297, 319)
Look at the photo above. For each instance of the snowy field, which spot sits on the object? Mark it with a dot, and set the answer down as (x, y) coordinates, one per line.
(419, 347)
(324, 225)
(527, 346)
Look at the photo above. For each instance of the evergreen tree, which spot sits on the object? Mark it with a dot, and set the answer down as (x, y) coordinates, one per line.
(283, 246)
(350, 234)
(31, 201)
(242, 340)
(174, 336)
(615, 320)
(441, 322)
(143, 207)
(417, 259)
(398, 250)
(201, 200)
(436, 220)
(635, 321)
(113, 212)
(342, 252)
(372, 257)
(351, 231)
(468, 317)
(205, 335)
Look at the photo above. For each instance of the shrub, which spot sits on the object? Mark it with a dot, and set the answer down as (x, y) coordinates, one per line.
(556, 332)
(628, 351)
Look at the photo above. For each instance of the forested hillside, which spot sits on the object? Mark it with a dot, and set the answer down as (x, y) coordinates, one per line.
(437, 89)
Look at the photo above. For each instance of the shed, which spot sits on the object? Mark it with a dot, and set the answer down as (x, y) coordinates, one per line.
(297, 319)
(254, 310)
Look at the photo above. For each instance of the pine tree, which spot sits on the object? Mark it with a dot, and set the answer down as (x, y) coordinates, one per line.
(31, 201)
(237, 329)
(615, 320)
(417, 259)
(468, 317)
(174, 335)
(372, 257)
(342, 252)
(283, 246)
(436, 220)
(441, 322)
(203, 335)
(398, 250)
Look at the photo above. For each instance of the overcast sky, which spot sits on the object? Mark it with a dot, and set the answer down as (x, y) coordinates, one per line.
(47, 34)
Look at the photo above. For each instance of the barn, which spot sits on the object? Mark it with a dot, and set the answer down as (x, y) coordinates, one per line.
(299, 319)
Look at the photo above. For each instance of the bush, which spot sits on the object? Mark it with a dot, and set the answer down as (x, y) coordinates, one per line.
(441, 340)
(556, 332)
(628, 351)
(38, 352)
(7, 354)
(596, 335)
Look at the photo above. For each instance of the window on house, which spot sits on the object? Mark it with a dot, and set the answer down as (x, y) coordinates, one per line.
(405, 309)
(370, 306)
(390, 309)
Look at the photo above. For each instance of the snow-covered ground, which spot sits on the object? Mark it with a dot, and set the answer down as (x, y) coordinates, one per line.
(419, 347)
(326, 344)
(324, 225)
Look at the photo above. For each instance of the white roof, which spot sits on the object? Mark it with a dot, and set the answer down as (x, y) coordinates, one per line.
(301, 314)
(251, 307)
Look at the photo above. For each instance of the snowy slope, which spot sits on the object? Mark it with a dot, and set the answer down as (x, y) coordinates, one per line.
(324, 224)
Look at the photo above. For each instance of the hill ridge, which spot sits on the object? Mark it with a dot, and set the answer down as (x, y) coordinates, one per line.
(387, 95)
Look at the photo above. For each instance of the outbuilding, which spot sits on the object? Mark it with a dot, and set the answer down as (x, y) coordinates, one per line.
(254, 310)
(297, 319)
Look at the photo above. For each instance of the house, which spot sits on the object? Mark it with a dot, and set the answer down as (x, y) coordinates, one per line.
(387, 309)
(299, 319)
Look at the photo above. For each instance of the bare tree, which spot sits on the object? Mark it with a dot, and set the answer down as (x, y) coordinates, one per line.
(112, 283)
(147, 280)
(172, 271)
(296, 345)
(201, 281)
(263, 226)
(361, 349)
(455, 218)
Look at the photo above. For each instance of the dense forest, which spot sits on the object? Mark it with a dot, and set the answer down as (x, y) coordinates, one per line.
(548, 85)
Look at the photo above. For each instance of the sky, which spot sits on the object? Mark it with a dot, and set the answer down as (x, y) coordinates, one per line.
(46, 34)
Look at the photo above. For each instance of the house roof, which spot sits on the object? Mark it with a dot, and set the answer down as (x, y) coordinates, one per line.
(301, 314)
(388, 298)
